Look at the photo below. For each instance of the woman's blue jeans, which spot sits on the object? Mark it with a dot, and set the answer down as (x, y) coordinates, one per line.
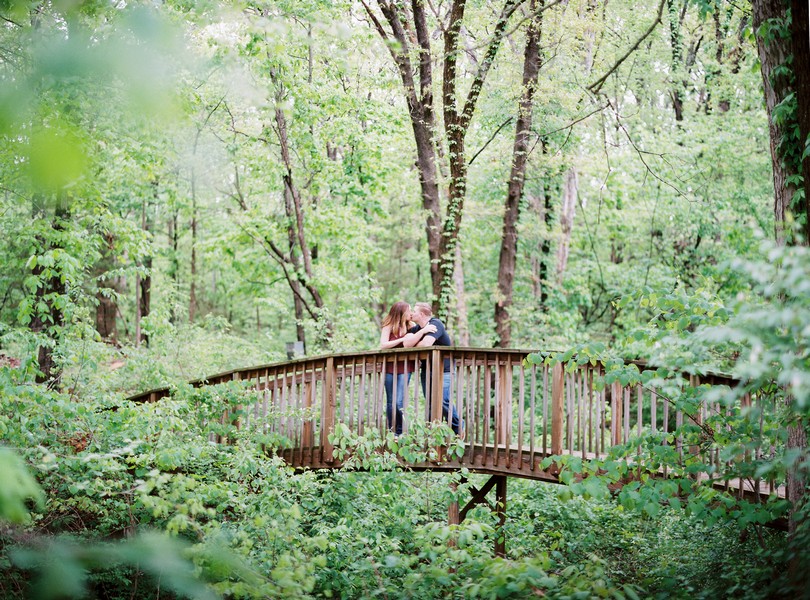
(447, 408)
(402, 385)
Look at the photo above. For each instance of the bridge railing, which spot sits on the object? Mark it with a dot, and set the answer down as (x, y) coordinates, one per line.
(514, 413)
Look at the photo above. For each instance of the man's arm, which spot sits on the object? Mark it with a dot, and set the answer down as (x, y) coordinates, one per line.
(438, 331)
(416, 336)
(427, 340)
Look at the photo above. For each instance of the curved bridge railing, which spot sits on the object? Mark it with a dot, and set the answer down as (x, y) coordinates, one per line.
(515, 414)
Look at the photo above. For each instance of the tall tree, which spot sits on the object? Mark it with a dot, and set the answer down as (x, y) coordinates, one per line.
(408, 39)
(786, 98)
(517, 176)
(774, 47)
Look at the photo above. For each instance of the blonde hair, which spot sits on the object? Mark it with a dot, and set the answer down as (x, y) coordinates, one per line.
(397, 318)
(424, 308)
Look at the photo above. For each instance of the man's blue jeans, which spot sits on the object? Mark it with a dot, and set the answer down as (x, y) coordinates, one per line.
(402, 384)
(447, 408)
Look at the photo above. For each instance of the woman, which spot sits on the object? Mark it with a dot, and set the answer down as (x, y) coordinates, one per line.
(394, 330)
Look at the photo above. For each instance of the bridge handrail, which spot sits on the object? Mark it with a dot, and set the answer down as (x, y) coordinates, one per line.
(154, 394)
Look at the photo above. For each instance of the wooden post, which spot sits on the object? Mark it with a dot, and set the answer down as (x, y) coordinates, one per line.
(452, 513)
(500, 510)
(435, 384)
(557, 399)
(504, 404)
(328, 411)
(616, 413)
(694, 381)
(309, 388)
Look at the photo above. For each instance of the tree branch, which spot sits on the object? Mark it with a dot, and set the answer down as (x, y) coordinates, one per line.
(597, 85)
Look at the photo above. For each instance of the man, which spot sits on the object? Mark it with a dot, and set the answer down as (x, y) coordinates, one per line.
(422, 315)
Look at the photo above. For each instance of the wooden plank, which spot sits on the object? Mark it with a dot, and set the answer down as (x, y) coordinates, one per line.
(590, 409)
(626, 420)
(498, 411)
(521, 412)
(306, 432)
(475, 380)
(329, 410)
(570, 389)
(545, 410)
(352, 378)
(532, 429)
(616, 413)
(557, 408)
(506, 382)
(361, 400)
(485, 432)
(581, 411)
(436, 382)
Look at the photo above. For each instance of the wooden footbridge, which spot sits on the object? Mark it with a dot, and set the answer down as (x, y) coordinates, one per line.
(515, 414)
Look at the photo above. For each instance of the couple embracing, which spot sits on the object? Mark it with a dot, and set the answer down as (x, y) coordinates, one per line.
(397, 332)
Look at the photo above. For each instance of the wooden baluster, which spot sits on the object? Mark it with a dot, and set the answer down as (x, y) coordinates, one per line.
(639, 416)
(590, 410)
(581, 411)
(436, 383)
(306, 425)
(296, 417)
(475, 394)
(487, 389)
(361, 400)
(532, 401)
(521, 413)
(627, 399)
(603, 430)
(506, 382)
(498, 410)
(694, 382)
(570, 389)
(328, 410)
(472, 417)
(545, 411)
(678, 425)
(616, 413)
(351, 394)
(557, 408)
(459, 381)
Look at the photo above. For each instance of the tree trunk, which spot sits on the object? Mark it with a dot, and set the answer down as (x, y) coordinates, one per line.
(52, 287)
(145, 282)
(772, 54)
(800, 37)
(409, 28)
(567, 210)
(297, 238)
(192, 292)
(517, 180)
(174, 264)
(676, 42)
(107, 306)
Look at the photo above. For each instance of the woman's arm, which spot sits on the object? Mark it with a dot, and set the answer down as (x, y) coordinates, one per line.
(412, 339)
(385, 343)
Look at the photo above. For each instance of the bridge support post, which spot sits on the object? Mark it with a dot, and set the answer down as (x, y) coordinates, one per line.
(452, 512)
(479, 497)
(500, 510)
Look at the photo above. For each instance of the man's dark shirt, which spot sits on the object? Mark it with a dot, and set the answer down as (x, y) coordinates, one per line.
(441, 336)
